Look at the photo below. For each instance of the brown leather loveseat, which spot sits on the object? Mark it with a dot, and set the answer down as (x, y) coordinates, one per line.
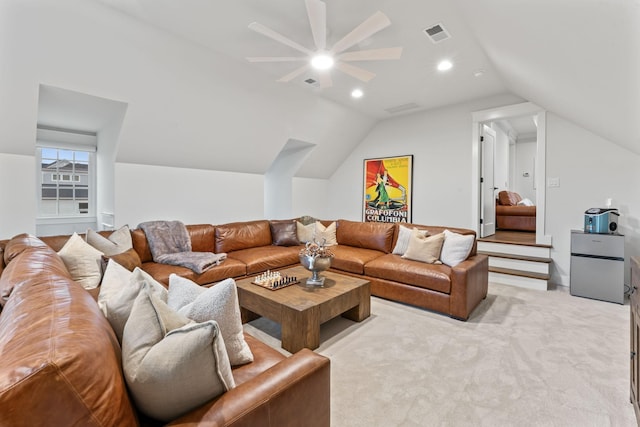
(512, 216)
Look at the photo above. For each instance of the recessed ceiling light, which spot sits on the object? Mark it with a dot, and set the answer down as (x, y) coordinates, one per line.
(322, 61)
(478, 73)
(444, 65)
(357, 93)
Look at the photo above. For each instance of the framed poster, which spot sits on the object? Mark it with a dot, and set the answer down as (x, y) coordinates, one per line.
(387, 189)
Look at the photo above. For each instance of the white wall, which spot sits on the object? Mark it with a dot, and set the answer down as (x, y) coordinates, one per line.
(525, 162)
(440, 141)
(591, 169)
(18, 195)
(311, 197)
(193, 196)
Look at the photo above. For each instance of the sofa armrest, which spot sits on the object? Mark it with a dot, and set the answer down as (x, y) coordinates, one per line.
(469, 285)
(296, 391)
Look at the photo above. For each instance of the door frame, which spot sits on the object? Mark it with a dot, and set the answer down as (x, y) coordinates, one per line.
(487, 130)
(482, 117)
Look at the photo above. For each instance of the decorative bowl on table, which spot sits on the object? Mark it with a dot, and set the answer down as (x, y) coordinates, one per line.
(316, 258)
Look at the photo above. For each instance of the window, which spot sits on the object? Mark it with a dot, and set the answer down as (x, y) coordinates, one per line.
(66, 182)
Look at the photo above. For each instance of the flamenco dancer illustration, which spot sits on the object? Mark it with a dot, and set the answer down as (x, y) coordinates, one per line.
(378, 176)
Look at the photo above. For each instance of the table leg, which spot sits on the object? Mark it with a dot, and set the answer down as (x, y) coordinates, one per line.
(363, 309)
(300, 329)
(247, 316)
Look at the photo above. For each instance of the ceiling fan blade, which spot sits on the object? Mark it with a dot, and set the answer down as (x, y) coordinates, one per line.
(259, 28)
(317, 11)
(325, 80)
(357, 72)
(372, 25)
(372, 54)
(276, 58)
(295, 73)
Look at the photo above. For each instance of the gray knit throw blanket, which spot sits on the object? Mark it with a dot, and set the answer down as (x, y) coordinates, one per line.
(170, 243)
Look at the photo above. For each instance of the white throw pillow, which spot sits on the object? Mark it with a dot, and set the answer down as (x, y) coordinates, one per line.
(402, 242)
(325, 234)
(118, 242)
(424, 248)
(119, 290)
(456, 248)
(525, 202)
(305, 232)
(172, 365)
(218, 302)
(83, 261)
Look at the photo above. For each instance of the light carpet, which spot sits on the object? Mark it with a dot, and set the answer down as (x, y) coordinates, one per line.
(524, 358)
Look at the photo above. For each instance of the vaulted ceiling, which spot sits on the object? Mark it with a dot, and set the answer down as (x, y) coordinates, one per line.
(577, 58)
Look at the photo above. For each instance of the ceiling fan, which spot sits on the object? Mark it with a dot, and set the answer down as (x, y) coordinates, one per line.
(322, 59)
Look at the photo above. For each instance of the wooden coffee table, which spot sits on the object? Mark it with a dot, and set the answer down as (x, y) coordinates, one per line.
(301, 309)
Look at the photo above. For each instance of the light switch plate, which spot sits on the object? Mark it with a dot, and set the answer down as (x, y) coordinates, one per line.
(553, 182)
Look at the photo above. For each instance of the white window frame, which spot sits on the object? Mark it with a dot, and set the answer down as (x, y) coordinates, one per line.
(72, 141)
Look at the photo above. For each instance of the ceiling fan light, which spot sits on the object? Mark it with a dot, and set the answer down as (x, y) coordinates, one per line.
(322, 61)
(444, 65)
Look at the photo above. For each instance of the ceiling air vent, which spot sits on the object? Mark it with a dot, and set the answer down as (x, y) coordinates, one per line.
(312, 82)
(437, 33)
(401, 108)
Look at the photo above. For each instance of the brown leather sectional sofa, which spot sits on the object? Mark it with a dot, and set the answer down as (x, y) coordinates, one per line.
(61, 360)
(363, 250)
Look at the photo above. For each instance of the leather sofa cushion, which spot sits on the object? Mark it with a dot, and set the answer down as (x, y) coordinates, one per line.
(60, 358)
(366, 235)
(266, 258)
(236, 236)
(141, 245)
(352, 260)
(416, 273)
(508, 198)
(202, 240)
(264, 357)
(12, 276)
(227, 268)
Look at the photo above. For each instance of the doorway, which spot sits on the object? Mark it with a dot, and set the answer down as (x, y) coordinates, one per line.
(485, 117)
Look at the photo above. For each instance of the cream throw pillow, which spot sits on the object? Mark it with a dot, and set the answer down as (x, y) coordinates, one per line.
(118, 291)
(218, 302)
(172, 365)
(83, 261)
(305, 232)
(326, 234)
(118, 242)
(424, 248)
(456, 248)
(402, 242)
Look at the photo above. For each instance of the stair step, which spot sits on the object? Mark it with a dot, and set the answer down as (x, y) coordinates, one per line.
(515, 256)
(520, 273)
(515, 250)
(518, 281)
(519, 264)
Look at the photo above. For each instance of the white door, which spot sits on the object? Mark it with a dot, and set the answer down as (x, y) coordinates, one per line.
(487, 187)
